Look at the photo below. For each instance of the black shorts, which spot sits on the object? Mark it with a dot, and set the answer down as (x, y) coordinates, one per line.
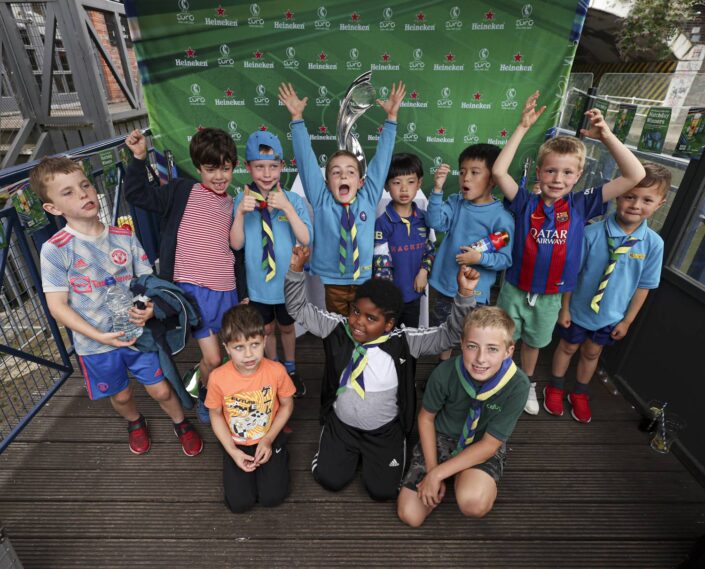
(445, 445)
(269, 311)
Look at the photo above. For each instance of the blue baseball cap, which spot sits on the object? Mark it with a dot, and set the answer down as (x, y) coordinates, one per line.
(263, 138)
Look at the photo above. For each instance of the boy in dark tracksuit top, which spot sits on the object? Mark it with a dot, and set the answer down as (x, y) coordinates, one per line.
(368, 399)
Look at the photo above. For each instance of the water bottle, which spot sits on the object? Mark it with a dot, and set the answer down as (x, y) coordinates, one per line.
(119, 301)
(492, 242)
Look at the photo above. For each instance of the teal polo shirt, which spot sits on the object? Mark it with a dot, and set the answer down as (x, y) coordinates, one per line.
(640, 267)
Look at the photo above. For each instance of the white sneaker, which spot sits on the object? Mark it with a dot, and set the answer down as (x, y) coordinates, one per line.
(532, 403)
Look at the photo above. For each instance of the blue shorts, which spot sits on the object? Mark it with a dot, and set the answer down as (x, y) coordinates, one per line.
(212, 304)
(576, 334)
(106, 373)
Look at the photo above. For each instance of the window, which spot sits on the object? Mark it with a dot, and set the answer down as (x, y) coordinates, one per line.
(690, 256)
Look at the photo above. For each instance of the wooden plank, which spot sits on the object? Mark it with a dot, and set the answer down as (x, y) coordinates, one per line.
(164, 455)
(374, 521)
(528, 429)
(278, 551)
(205, 485)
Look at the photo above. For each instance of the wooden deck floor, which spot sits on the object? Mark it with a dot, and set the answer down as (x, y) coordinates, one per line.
(575, 496)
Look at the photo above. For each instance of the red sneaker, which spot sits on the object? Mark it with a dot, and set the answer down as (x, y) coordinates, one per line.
(190, 440)
(138, 436)
(553, 400)
(581, 407)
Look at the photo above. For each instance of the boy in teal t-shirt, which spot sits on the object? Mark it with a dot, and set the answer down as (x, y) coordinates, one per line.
(470, 408)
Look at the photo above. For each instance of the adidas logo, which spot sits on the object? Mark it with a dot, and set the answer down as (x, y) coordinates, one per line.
(80, 264)
(393, 463)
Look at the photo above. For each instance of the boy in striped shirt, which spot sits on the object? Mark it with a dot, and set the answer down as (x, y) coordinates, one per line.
(550, 227)
(195, 234)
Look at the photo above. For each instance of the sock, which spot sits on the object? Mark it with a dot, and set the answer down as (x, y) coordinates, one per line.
(558, 382)
(580, 388)
(140, 418)
(181, 423)
(290, 366)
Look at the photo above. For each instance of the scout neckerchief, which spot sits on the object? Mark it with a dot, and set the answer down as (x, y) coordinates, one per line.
(269, 264)
(561, 216)
(479, 396)
(353, 373)
(615, 252)
(347, 227)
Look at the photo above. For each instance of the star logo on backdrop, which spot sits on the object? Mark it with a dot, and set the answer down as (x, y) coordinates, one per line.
(379, 129)
(323, 129)
(414, 95)
(258, 54)
(220, 11)
(322, 56)
(489, 15)
(200, 127)
(503, 133)
(263, 128)
(385, 56)
(477, 96)
(190, 52)
(355, 17)
(450, 56)
(293, 161)
(441, 131)
(518, 57)
(420, 16)
(289, 15)
(229, 92)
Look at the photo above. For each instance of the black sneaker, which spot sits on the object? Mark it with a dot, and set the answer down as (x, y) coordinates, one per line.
(299, 384)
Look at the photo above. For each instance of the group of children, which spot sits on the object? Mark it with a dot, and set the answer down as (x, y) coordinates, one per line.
(591, 281)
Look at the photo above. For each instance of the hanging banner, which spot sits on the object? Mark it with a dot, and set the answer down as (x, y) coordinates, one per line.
(468, 68)
(692, 138)
(29, 208)
(578, 113)
(653, 135)
(623, 121)
(603, 105)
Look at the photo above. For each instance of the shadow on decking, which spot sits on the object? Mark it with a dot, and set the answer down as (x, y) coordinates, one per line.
(593, 496)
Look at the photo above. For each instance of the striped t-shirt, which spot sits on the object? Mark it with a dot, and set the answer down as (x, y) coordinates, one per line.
(203, 254)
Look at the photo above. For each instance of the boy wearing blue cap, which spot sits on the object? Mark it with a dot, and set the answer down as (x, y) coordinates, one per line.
(268, 222)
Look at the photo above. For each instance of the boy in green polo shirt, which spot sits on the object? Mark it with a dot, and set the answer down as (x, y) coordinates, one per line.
(470, 407)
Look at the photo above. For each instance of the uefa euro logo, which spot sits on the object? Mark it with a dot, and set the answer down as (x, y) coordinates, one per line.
(323, 100)
(354, 62)
(196, 98)
(322, 160)
(291, 62)
(225, 60)
(525, 22)
(255, 20)
(471, 137)
(483, 64)
(322, 21)
(234, 134)
(445, 102)
(261, 99)
(437, 161)
(410, 134)
(454, 24)
(417, 64)
(510, 103)
(184, 16)
(387, 25)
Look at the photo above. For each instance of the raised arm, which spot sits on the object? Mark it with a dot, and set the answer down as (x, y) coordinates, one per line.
(500, 170)
(243, 205)
(138, 189)
(439, 213)
(632, 172)
(317, 321)
(426, 341)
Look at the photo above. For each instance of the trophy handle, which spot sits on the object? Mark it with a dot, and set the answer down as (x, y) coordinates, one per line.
(351, 109)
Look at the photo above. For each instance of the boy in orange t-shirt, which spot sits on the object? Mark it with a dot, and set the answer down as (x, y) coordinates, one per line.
(249, 400)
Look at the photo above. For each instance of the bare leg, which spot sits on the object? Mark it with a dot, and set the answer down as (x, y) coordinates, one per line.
(270, 345)
(529, 357)
(124, 403)
(210, 352)
(163, 394)
(288, 341)
(410, 509)
(587, 363)
(561, 358)
(475, 492)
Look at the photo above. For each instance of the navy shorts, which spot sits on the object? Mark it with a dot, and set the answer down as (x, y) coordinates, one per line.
(270, 311)
(576, 334)
(106, 373)
(212, 305)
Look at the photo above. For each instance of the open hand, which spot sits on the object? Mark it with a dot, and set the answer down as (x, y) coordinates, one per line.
(294, 105)
(468, 256)
(530, 114)
(114, 339)
(439, 177)
(598, 126)
(392, 104)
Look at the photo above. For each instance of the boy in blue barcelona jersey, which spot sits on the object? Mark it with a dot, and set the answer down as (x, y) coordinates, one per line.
(466, 217)
(621, 262)
(403, 251)
(268, 222)
(344, 203)
(550, 226)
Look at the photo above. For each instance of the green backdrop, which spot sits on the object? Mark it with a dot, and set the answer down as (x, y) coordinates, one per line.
(468, 68)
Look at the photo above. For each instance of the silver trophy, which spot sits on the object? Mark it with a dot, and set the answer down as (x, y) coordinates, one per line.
(360, 97)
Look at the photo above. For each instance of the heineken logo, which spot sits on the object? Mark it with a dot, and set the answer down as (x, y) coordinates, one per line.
(454, 24)
(445, 102)
(387, 24)
(220, 20)
(255, 20)
(322, 22)
(289, 23)
(525, 22)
